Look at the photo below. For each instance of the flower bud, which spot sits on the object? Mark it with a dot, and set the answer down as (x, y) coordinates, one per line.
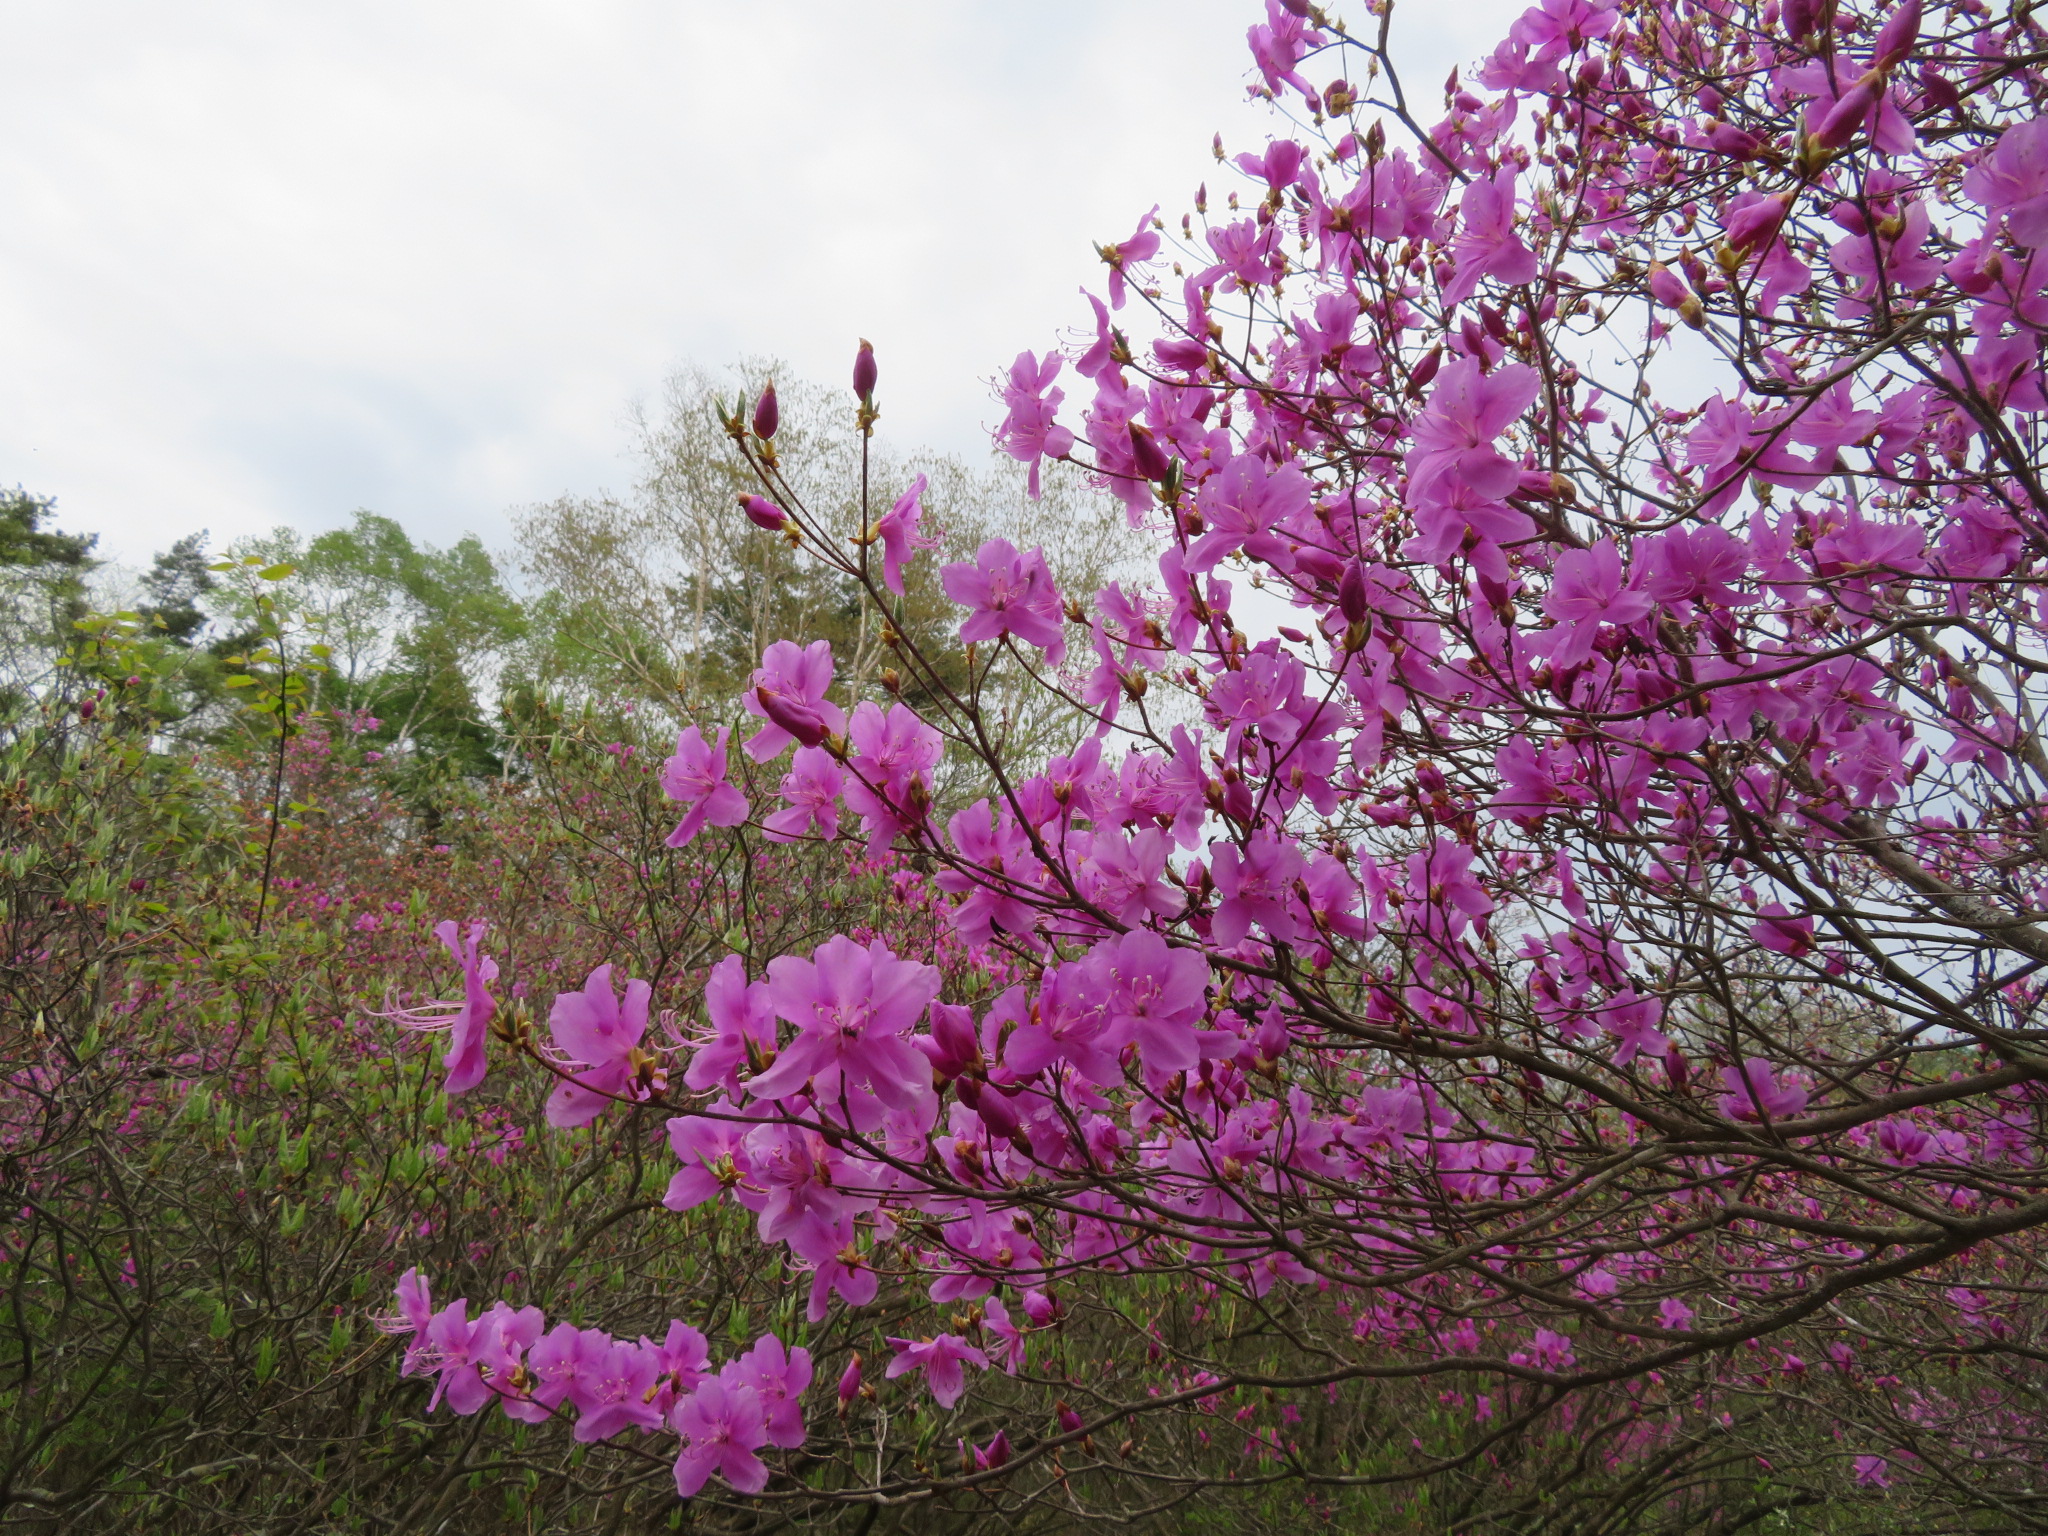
(951, 1046)
(1756, 224)
(1353, 601)
(849, 1384)
(1425, 370)
(864, 371)
(1669, 289)
(1898, 35)
(767, 416)
(800, 720)
(993, 1455)
(994, 1108)
(1181, 353)
(763, 513)
(1146, 453)
(1847, 115)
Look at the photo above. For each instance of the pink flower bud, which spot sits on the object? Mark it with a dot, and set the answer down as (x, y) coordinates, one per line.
(994, 1108)
(764, 513)
(849, 1382)
(1353, 601)
(1736, 143)
(1667, 287)
(1847, 115)
(1756, 223)
(1069, 1421)
(1801, 17)
(1778, 930)
(767, 416)
(1040, 1308)
(864, 371)
(1898, 36)
(951, 1046)
(995, 1454)
(1182, 353)
(800, 720)
(1146, 454)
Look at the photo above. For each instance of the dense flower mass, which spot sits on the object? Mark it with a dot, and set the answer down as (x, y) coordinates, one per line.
(1552, 867)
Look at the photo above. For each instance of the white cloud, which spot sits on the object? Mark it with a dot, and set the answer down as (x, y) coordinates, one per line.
(270, 262)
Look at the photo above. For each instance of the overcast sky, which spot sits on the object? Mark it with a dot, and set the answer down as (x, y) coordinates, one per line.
(267, 261)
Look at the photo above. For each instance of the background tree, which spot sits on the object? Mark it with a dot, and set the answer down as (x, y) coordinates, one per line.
(663, 598)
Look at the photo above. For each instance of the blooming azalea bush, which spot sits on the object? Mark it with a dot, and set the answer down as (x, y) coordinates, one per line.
(219, 1154)
(1542, 902)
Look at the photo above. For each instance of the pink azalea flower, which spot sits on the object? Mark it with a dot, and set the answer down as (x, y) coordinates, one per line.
(468, 1022)
(854, 1007)
(713, 1155)
(613, 1388)
(681, 1360)
(415, 1313)
(593, 1029)
(812, 787)
(1778, 930)
(724, 1425)
(1134, 252)
(1029, 433)
(942, 1360)
(1256, 887)
(695, 776)
(898, 532)
(780, 1376)
(1453, 441)
(1487, 244)
(742, 1021)
(1010, 594)
(1587, 590)
(1156, 996)
(1632, 1020)
(1754, 1093)
(2013, 180)
(889, 780)
(788, 692)
(996, 1319)
(1069, 1022)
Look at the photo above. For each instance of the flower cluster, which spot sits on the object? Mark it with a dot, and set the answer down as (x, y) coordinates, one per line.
(1579, 906)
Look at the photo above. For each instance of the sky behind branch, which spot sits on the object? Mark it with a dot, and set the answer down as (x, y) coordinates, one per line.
(268, 263)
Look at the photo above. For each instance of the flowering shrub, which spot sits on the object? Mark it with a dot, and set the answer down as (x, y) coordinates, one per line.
(1581, 956)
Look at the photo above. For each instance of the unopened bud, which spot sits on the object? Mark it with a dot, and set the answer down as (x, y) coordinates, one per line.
(1353, 601)
(1146, 454)
(763, 513)
(767, 416)
(1847, 115)
(1425, 370)
(864, 371)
